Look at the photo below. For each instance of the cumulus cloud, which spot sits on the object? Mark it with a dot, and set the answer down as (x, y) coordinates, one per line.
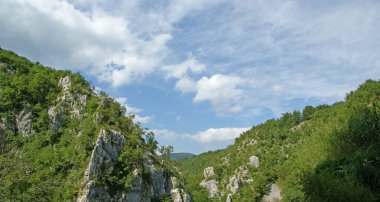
(84, 35)
(133, 110)
(282, 49)
(218, 134)
(207, 136)
(191, 65)
(210, 139)
(222, 91)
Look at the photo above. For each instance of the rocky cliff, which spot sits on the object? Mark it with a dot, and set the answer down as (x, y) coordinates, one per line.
(61, 141)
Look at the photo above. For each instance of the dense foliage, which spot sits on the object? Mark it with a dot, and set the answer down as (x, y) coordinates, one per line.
(49, 164)
(324, 153)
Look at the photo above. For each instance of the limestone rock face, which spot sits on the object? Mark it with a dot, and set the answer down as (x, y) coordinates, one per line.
(108, 147)
(208, 172)
(229, 198)
(65, 83)
(274, 194)
(235, 182)
(24, 122)
(3, 130)
(67, 103)
(254, 161)
(211, 186)
(179, 196)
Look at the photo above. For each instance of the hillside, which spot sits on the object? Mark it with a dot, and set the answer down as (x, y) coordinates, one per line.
(324, 153)
(61, 141)
(176, 156)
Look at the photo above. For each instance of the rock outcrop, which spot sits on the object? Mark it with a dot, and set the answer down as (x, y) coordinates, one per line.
(24, 122)
(108, 147)
(208, 172)
(67, 103)
(236, 181)
(274, 194)
(210, 184)
(254, 161)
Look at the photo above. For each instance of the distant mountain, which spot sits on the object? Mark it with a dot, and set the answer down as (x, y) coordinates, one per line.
(176, 156)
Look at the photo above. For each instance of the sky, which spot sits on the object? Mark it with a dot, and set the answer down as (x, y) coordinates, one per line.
(198, 73)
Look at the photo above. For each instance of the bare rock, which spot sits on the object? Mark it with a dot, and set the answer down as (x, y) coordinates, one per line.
(208, 172)
(236, 181)
(211, 186)
(229, 198)
(107, 148)
(274, 194)
(254, 161)
(65, 83)
(178, 195)
(24, 122)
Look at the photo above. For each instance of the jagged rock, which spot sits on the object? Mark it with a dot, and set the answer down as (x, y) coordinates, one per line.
(107, 148)
(254, 161)
(229, 198)
(236, 181)
(24, 122)
(105, 154)
(66, 103)
(211, 186)
(179, 196)
(3, 130)
(65, 83)
(56, 117)
(274, 194)
(208, 172)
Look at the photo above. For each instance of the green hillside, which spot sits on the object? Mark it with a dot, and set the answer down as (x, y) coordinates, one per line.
(324, 153)
(176, 156)
(60, 141)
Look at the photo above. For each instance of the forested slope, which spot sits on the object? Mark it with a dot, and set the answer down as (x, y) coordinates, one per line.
(61, 141)
(324, 153)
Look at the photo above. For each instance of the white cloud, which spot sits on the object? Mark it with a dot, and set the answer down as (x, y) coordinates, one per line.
(186, 85)
(222, 91)
(118, 48)
(191, 65)
(167, 134)
(142, 119)
(133, 110)
(218, 134)
(210, 135)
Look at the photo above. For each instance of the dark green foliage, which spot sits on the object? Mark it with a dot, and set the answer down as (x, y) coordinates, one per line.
(49, 165)
(327, 153)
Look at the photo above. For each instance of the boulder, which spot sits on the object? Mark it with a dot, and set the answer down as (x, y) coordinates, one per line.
(211, 186)
(24, 122)
(274, 194)
(208, 172)
(254, 161)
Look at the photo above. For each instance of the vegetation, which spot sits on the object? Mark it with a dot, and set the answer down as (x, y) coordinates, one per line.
(49, 164)
(324, 153)
(176, 156)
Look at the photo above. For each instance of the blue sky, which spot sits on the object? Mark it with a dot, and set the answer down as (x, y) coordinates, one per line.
(198, 73)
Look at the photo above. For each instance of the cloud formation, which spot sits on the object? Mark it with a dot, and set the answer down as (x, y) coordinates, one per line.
(247, 56)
